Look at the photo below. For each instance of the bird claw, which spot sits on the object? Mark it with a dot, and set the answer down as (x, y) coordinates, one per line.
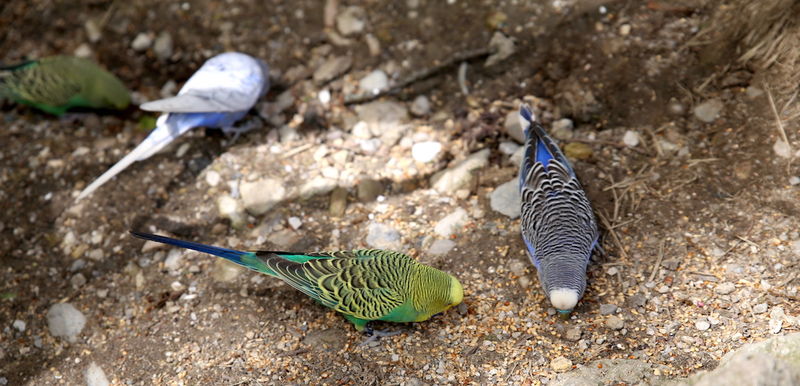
(375, 335)
(234, 132)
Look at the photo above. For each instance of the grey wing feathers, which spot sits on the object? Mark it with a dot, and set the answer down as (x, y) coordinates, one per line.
(219, 100)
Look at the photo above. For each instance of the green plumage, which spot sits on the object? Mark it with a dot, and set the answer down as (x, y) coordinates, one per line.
(363, 285)
(58, 83)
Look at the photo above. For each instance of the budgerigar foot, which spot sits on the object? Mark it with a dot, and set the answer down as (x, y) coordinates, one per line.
(234, 132)
(375, 335)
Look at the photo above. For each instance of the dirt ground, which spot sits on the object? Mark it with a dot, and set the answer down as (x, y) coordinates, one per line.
(693, 208)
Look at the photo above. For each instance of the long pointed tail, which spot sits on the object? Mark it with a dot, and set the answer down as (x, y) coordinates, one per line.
(160, 137)
(246, 259)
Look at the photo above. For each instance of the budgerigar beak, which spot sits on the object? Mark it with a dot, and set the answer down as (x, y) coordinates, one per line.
(564, 314)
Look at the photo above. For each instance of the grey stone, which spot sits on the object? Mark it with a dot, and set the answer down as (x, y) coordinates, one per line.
(382, 116)
(374, 82)
(513, 127)
(725, 288)
(760, 308)
(772, 362)
(702, 325)
(630, 138)
(382, 236)
(561, 364)
(506, 199)
(502, 47)
(338, 202)
(65, 321)
(614, 322)
(331, 339)
(452, 223)
(709, 110)
(573, 334)
(261, 195)
(612, 372)
(441, 247)
(460, 175)
(225, 271)
(425, 151)
(231, 209)
(421, 106)
(608, 309)
(562, 129)
(332, 69)
(351, 20)
(141, 42)
(163, 46)
(95, 376)
(369, 190)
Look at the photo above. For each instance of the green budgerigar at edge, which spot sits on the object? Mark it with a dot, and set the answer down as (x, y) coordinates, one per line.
(363, 285)
(57, 83)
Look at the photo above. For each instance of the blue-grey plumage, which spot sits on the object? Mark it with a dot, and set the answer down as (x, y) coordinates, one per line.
(558, 226)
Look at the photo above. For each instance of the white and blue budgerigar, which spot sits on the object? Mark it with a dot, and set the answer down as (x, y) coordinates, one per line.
(558, 226)
(220, 93)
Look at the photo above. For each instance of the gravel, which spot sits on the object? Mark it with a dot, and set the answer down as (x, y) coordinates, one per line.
(709, 110)
(505, 199)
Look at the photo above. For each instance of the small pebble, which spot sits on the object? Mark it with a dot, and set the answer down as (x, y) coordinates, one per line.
(631, 138)
(141, 42)
(794, 180)
(608, 309)
(426, 151)
(614, 322)
(19, 325)
(573, 334)
(725, 288)
(561, 364)
(760, 308)
(295, 223)
(702, 325)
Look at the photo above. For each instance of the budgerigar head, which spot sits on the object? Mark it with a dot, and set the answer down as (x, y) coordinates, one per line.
(436, 292)
(564, 284)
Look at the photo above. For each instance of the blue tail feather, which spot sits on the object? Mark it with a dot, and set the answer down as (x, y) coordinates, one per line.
(230, 254)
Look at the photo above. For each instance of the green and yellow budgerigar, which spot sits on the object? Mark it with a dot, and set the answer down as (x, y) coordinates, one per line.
(363, 285)
(57, 83)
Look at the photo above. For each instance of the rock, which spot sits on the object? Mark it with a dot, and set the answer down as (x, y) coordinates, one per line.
(613, 372)
(561, 364)
(332, 68)
(782, 149)
(725, 288)
(562, 129)
(163, 46)
(369, 190)
(373, 44)
(231, 209)
(77, 280)
(776, 318)
(702, 325)
(225, 271)
(382, 116)
(502, 47)
(19, 325)
(93, 31)
(295, 223)
(709, 110)
(441, 247)
(65, 321)
(760, 308)
(141, 42)
(83, 51)
(573, 334)
(513, 127)
(630, 138)
(772, 362)
(284, 239)
(460, 175)
(95, 376)
(608, 309)
(452, 223)
(516, 158)
(425, 151)
(517, 267)
(614, 322)
(508, 147)
(261, 195)
(338, 202)
(577, 150)
(351, 20)
(625, 29)
(318, 185)
(794, 180)
(382, 236)
(421, 106)
(374, 82)
(506, 199)
(174, 259)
